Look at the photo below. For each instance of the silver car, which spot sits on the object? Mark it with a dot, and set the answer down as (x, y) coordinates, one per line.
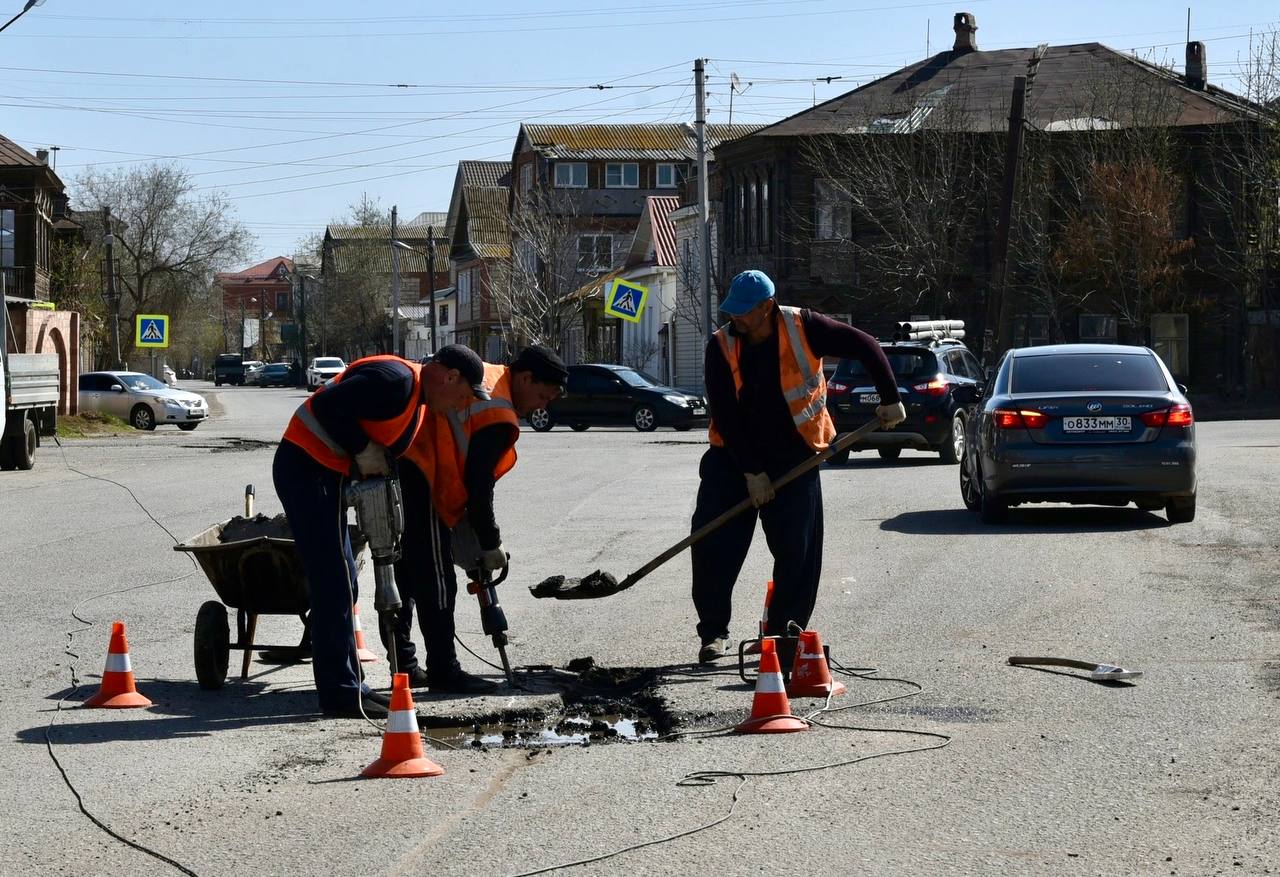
(141, 400)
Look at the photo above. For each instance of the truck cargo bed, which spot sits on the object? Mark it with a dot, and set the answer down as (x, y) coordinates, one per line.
(33, 379)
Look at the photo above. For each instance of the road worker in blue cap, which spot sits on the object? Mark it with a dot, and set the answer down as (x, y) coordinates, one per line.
(767, 397)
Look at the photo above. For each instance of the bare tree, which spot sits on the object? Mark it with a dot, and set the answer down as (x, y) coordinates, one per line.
(351, 311)
(170, 239)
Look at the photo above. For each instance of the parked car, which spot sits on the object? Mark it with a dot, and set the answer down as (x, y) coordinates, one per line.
(253, 368)
(928, 373)
(275, 374)
(611, 395)
(141, 400)
(1101, 424)
(323, 368)
(228, 368)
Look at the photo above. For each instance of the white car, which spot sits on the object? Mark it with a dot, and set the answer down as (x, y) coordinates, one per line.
(323, 368)
(140, 399)
(252, 368)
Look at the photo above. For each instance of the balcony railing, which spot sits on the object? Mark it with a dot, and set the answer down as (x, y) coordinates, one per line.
(14, 281)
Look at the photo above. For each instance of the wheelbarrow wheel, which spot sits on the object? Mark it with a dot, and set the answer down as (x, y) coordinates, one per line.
(213, 645)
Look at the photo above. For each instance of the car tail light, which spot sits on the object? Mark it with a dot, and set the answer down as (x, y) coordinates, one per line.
(936, 387)
(1006, 418)
(1175, 415)
(833, 387)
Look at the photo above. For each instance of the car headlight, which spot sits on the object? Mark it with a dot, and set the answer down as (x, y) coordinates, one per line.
(682, 401)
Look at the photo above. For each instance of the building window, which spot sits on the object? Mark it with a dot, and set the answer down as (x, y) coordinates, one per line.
(282, 302)
(443, 319)
(666, 176)
(1169, 339)
(526, 258)
(571, 175)
(526, 177)
(622, 176)
(595, 252)
(832, 213)
(753, 214)
(7, 233)
(464, 291)
(1098, 329)
(1030, 330)
(766, 229)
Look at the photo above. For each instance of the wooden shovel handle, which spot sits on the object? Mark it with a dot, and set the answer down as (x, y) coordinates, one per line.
(843, 442)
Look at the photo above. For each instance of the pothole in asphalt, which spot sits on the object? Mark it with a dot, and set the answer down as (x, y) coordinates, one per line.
(236, 444)
(601, 705)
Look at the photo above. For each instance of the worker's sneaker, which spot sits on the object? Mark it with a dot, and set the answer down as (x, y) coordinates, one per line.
(366, 707)
(713, 649)
(459, 681)
(418, 677)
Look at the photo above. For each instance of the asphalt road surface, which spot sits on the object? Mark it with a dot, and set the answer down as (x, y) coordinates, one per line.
(1045, 773)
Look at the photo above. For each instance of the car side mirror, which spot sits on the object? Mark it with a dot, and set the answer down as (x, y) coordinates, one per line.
(1182, 388)
(116, 388)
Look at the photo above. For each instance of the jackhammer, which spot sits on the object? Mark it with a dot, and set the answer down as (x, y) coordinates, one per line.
(380, 516)
(493, 620)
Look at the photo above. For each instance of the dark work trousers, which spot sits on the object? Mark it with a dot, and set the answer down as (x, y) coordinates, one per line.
(426, 579)
(792, 525)
(312, 500)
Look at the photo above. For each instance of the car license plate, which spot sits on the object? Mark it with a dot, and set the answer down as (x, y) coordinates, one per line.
(1097, 424)
(699, 411)
(869, 399)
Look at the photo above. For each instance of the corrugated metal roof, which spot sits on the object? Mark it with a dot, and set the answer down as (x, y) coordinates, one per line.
(488, 233)
(13, 155)
(371, 254)
(636, 142)
(659, 209)
(487, 174)
(435, 219)
(971, 92)
(261, 271)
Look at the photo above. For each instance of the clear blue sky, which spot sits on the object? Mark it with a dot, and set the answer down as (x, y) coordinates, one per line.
(291, 107)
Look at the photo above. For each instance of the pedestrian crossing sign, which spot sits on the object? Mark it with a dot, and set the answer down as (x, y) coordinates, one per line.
(625, 300)
(152, 330)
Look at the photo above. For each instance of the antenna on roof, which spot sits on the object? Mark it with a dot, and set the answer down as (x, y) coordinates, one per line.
(928, 53)
(1188, 24)
(735, 85)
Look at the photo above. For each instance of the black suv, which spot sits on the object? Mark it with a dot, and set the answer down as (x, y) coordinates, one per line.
(614, 395)
(928, 374)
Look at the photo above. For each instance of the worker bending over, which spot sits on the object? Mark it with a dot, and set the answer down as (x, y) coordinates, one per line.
(353, 428)
(767, 397)
(456, 461)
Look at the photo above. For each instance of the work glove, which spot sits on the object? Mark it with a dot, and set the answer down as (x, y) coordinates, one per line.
(891, 415)
(759, 487)
(372, 460)
(493, 559)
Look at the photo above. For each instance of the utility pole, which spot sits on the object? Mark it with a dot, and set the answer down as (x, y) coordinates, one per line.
(704, 221)
(113, 297)
(244, 328)
(262, 325)
(995, 331)
(302, 319)
(395, 286)
(431, 282)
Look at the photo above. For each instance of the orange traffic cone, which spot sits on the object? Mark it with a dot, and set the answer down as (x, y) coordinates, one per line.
(402, 754)
(365, 656)
(754, 648)
(770, 709)
(117, 690)
(810, 675)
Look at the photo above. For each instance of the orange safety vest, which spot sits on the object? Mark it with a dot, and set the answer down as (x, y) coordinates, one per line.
(803, 384)
(440, 449)
(305, 431)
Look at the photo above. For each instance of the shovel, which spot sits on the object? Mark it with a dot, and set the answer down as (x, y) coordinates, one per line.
(602, 584)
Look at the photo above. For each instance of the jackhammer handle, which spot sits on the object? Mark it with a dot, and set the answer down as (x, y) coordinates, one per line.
(843, 442)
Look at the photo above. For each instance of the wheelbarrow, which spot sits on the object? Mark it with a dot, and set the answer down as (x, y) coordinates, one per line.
(258, 575)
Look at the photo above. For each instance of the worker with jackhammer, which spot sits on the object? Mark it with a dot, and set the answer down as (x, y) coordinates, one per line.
(766, 393)
(448, 495)
(354, 428)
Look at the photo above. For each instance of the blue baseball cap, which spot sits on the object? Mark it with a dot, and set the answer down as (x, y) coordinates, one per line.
(746, 291)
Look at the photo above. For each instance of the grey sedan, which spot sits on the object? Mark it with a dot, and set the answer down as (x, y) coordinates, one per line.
(1100, 424)
(140, 399)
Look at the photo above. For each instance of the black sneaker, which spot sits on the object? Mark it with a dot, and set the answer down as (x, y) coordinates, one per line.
(366, 708)
(713, 649)
(418, 677)
(459, 681)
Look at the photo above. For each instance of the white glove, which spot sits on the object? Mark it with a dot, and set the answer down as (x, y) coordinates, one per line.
(891, 415)
(760, 487)
(372, 460)
(494, 559)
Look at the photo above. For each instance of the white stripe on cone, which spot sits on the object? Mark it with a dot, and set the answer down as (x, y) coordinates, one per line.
(117, 663)
(402, 722)
(355, 621)
(770, 683)
(805, 656)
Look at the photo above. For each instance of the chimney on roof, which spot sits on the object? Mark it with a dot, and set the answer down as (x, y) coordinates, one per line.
(966, 27)
(42, 155)
(1197, 74)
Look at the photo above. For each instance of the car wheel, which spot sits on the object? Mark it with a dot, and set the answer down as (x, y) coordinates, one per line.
(889, 453)
(19, 451)
(970, 489)
(540, 420)
(953, 451)
(212, 645)
(187, 427)
(1181, 510)
(991, 507)
(142, 417)
(645, 418)
(217, 382)
(579, 427)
